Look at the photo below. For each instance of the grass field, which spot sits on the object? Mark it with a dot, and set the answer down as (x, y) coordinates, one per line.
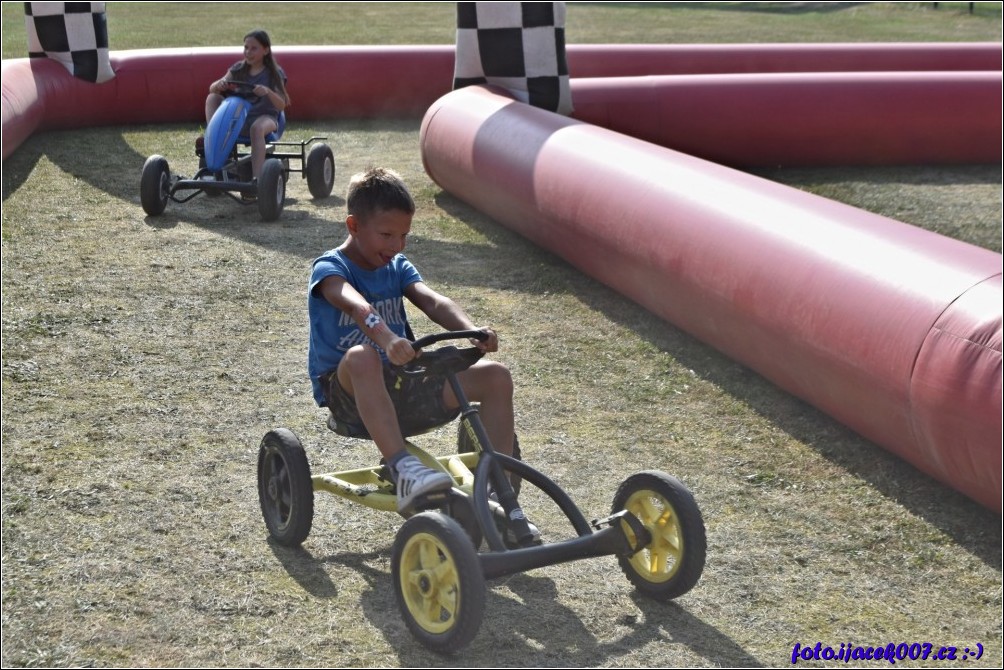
(165, 24)
(144, 359)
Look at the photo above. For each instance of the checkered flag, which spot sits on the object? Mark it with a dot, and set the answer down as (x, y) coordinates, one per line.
(73, 33)
(519, 46)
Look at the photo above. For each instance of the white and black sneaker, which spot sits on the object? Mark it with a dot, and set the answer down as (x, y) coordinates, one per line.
(415, 479)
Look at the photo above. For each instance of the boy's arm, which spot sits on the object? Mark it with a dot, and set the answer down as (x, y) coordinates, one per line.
(446, 313)
(344, 297)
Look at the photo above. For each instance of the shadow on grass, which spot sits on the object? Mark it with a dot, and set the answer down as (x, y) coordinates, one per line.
(305, 569)
(105, 161)
(910, 175)
(530, 629)
(99, 157)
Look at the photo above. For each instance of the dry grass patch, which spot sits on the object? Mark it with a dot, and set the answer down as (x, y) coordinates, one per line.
(144, 359)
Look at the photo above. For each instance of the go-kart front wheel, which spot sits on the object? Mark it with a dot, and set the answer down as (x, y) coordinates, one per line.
(155, 185)
(320, 170)
(271, 190)
(285, 489)
(672, 563)
(438, 582)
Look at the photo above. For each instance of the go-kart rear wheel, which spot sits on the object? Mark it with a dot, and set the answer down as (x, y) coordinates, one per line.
(271, 190)
(438, 582)
(285, 489)
(672, 563)
(320, 170)
(155, 185)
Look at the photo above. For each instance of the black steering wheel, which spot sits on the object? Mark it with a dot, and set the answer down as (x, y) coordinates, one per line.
(445, 360)
(241, 89)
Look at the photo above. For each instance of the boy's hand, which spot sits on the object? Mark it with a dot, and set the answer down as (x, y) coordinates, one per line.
(489, 345)
(399, 351)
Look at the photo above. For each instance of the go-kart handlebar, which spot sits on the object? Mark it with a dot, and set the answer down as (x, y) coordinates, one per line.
(239, 88)
(445, 360)
(421, 342)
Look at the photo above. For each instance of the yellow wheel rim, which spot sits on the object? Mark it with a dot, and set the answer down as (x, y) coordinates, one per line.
(660, 560)
(429, 583)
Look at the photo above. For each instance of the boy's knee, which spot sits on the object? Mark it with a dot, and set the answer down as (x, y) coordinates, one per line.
(499, 377)
(362, 359)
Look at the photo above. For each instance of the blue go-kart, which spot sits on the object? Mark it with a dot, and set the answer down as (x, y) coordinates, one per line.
(225, 165)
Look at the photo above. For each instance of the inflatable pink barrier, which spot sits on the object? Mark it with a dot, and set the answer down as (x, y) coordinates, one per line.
(797, 119)
(169, 85)
(892, 330)
(636, 60)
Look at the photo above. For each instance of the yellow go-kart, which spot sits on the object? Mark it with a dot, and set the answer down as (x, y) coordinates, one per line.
(655, 528)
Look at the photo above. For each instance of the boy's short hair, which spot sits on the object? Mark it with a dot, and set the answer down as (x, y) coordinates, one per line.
(378, 190)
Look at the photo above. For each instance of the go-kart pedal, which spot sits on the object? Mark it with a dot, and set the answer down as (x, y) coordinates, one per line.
(509, 537)
(419, 485)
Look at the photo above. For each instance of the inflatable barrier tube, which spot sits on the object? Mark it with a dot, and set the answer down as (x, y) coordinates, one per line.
(170, 85)
(817, 119)
(890, 329)
(634, 60)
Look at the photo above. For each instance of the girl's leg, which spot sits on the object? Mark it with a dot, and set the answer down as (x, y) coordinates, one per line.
(261, 127)
(213, 102)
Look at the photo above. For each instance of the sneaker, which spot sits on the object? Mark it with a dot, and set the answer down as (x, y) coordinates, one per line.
(502, 523)
(415, 479)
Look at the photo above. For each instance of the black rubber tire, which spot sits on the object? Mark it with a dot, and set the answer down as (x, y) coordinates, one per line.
(285, 489)
(673, 562)
(438, 582)
(155, 185)
(271, 190)
(320, 170)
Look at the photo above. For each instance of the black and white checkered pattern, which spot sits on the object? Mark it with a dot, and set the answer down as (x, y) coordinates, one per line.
(519, 46)
(73, 33)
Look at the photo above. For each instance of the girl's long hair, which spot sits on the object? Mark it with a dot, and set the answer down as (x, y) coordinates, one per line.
(278, 84)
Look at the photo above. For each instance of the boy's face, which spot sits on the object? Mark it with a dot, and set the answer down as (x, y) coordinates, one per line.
(377, 239)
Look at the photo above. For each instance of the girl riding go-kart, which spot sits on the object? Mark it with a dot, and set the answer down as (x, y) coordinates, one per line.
(225, 163)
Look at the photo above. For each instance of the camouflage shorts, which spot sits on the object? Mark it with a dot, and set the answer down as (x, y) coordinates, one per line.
(417, 400)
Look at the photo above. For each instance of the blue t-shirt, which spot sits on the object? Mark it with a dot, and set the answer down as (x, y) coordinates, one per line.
(333, 332)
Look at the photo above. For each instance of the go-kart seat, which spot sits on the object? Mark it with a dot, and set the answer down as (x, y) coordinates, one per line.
(455, 362)
(271, 137)
(360, 432)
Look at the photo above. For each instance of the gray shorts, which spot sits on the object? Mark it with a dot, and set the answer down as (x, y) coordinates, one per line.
(417, 400)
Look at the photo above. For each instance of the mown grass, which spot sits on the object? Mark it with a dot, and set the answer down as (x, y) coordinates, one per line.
(143, 360)
(133, 25)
